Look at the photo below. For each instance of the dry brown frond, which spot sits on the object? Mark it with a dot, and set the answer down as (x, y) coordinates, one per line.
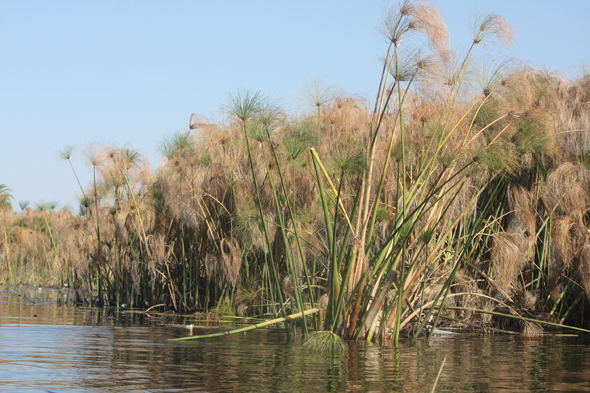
(241, 310)
(152, 273)
(507, 258)
(584, 268)
(432, 291)
(158, 247)
(565, 190)
(247, 226)
(322, 303)
(492, 28)
(463, 198)
(197, 121)
(7, 217)
(527, 299)
(568, 238)
(567, 102)
(93, 155)
(531, 330)
(346, 118)
(466, 284)
(427, 19)
(225, 267)
(519, 93)
(548, 86)
(522, 219)
(423, 112)
(135, 276)
(211, 268)
(288, 287)
(535, 133)
(233, 257)
(133, 219)
(488, 305)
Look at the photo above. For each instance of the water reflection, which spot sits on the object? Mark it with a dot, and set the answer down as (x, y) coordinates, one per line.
(67, 349)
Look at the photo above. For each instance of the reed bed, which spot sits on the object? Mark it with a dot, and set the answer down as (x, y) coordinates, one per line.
(463, 187)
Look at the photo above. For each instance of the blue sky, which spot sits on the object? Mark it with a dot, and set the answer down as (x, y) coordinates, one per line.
(132, 72)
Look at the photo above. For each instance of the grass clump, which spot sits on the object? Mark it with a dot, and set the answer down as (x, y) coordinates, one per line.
(325, 342)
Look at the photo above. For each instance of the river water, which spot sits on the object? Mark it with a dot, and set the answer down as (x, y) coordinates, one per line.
(47, 347)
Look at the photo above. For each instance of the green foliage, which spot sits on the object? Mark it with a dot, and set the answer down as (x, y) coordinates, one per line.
(486, 114)
(325, 342)
(349, 159)
(381, 214)
(225, 310)
(245, 104)
(23, 204)
(499, 156)
(298, 137)
(532, 137)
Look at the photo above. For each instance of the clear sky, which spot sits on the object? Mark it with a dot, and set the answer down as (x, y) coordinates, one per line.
(132, 72)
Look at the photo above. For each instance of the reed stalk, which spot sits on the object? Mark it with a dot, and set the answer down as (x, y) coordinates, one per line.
(284, 319)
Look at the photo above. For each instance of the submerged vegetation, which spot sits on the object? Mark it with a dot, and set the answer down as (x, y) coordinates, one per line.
(465, 186)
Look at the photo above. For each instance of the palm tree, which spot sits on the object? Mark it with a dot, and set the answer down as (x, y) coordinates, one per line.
(5, 197)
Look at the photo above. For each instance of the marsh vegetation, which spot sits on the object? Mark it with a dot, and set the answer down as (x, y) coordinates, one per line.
(461, 190)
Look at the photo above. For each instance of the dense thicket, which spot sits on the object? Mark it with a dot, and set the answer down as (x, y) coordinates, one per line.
(465, 183)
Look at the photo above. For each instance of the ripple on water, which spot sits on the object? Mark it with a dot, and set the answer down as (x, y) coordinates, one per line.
(69, 349)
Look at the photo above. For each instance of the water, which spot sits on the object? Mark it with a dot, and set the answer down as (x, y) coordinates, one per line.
(47, 347)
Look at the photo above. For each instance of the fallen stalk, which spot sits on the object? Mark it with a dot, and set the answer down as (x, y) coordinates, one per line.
(516, 317)
(252, 327)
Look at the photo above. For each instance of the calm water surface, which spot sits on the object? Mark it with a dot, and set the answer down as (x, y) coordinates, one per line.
(47, 347)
